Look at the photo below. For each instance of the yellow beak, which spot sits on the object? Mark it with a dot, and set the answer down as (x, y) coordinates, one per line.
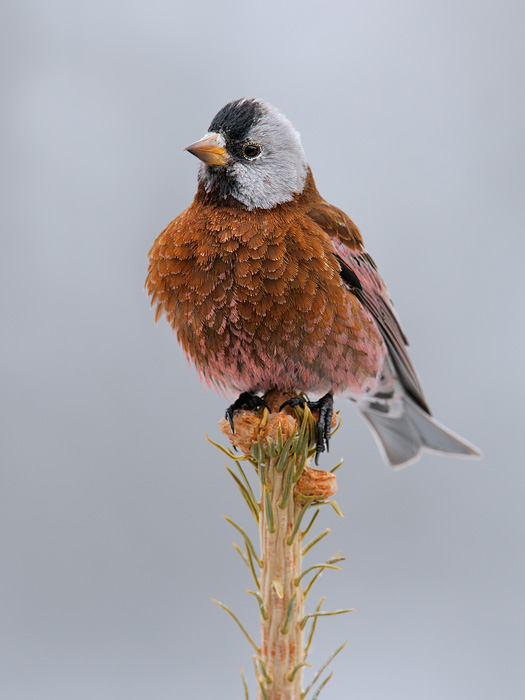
(210, 149)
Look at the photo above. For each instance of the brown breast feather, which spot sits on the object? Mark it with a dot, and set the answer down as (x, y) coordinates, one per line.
(256, 293)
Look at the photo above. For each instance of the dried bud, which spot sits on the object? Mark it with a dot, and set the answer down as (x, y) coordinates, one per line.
(270, 431)
(252, 426)
(249, 429)
(246, 433)
(314, 482)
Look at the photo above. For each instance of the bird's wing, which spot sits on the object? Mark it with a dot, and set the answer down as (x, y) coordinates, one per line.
(359, 273)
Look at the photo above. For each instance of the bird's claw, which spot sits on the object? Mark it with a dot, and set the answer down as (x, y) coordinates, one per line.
(247, 401)
(325, 406)
(296, 401)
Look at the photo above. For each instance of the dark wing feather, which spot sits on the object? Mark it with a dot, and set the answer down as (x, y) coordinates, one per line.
(360, 274)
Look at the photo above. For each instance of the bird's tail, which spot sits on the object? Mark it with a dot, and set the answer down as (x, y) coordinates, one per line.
(404, 432)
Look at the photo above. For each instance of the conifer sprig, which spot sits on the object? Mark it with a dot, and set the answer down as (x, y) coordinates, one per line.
(280, 446)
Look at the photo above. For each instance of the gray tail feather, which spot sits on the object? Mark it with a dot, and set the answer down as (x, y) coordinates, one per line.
(402, 436)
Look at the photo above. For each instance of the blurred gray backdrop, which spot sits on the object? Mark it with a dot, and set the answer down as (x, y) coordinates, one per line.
(111, 537)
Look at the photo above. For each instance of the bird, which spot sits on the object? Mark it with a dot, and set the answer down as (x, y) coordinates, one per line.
(268, 286)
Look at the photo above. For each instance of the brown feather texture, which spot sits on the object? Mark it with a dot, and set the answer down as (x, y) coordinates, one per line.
(258, 301)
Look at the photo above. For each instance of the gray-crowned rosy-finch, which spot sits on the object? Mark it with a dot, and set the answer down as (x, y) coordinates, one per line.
(269, 287)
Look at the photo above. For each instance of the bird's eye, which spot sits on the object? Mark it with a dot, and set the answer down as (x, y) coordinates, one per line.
(251, 151)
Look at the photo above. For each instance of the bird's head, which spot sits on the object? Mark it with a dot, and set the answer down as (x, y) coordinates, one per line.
(253, 154)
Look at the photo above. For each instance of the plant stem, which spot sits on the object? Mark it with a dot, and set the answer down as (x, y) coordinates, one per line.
(282, 643)
(280, 446)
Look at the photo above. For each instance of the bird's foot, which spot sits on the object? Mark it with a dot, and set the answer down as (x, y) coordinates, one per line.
(325, 406)
(245, 400)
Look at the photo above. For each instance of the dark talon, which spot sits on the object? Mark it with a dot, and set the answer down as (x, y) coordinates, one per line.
(324, 424)
(325, 405)
(245, 400)
(296, 401)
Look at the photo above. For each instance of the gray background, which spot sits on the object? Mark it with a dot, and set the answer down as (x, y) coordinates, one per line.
(111, 538)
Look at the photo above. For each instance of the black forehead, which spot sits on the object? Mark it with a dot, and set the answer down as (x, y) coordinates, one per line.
(236, 119)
